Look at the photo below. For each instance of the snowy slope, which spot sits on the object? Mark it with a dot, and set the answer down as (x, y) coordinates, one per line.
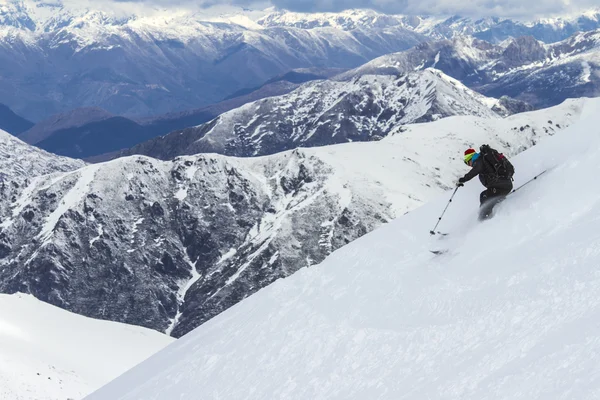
(198, 234)
(49, 354)
(510, 313)
(325, 112)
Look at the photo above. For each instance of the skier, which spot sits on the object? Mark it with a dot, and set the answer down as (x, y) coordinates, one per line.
(495, 173)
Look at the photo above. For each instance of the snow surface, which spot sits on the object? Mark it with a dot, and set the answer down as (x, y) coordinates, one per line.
(511, 312)
(50, 354)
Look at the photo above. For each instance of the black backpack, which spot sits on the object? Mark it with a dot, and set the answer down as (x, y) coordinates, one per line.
(497, 162)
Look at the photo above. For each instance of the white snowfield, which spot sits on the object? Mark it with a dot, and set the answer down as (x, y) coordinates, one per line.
(512, 311)
(50, 354)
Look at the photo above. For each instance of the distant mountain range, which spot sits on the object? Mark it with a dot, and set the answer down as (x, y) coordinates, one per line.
(523, 68)
(136, 60)
(58, 56)
(523, 72)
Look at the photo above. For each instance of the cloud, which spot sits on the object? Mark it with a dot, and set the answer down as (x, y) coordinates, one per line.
(500, 8)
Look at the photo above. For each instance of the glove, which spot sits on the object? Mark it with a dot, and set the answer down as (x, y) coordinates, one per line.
(461, 182)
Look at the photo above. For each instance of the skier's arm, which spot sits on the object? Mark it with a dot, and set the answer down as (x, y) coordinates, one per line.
(475, 171)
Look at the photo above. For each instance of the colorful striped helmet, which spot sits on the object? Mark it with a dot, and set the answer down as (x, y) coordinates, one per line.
(469, 153)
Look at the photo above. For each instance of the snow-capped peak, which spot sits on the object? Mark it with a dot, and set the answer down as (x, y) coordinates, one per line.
(344, 20)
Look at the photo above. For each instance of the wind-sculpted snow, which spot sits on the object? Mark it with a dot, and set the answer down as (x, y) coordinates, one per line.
(169, 245)
(521, 68)
(325, 112)
(51, 354)
(511, 312)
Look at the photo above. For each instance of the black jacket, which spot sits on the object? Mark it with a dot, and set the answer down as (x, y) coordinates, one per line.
(487, 175)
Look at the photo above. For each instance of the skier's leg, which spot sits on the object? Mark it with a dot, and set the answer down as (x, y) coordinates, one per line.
(485, 208)
(493, 196)
(483, 197)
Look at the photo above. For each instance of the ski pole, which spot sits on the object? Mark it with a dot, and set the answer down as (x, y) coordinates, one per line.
(529, 181)
(445, 209)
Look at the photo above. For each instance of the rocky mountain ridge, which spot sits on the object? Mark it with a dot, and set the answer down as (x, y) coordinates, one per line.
(323, 113)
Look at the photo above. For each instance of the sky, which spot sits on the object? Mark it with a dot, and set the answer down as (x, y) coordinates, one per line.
(501, 8)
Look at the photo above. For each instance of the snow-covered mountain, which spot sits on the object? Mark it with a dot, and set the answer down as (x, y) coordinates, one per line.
(136, 60)
(522, 68)
(367, 102)
(198, 234)
(346, 20)
(547, 30)
(325, 112)
(51, 354)
(544, 75)
(511, 312)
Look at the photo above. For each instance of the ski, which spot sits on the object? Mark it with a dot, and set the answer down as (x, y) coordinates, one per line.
(433, 233)
(438, 252)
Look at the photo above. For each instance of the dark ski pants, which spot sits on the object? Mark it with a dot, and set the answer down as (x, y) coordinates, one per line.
(498, 189)
(492, 196)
